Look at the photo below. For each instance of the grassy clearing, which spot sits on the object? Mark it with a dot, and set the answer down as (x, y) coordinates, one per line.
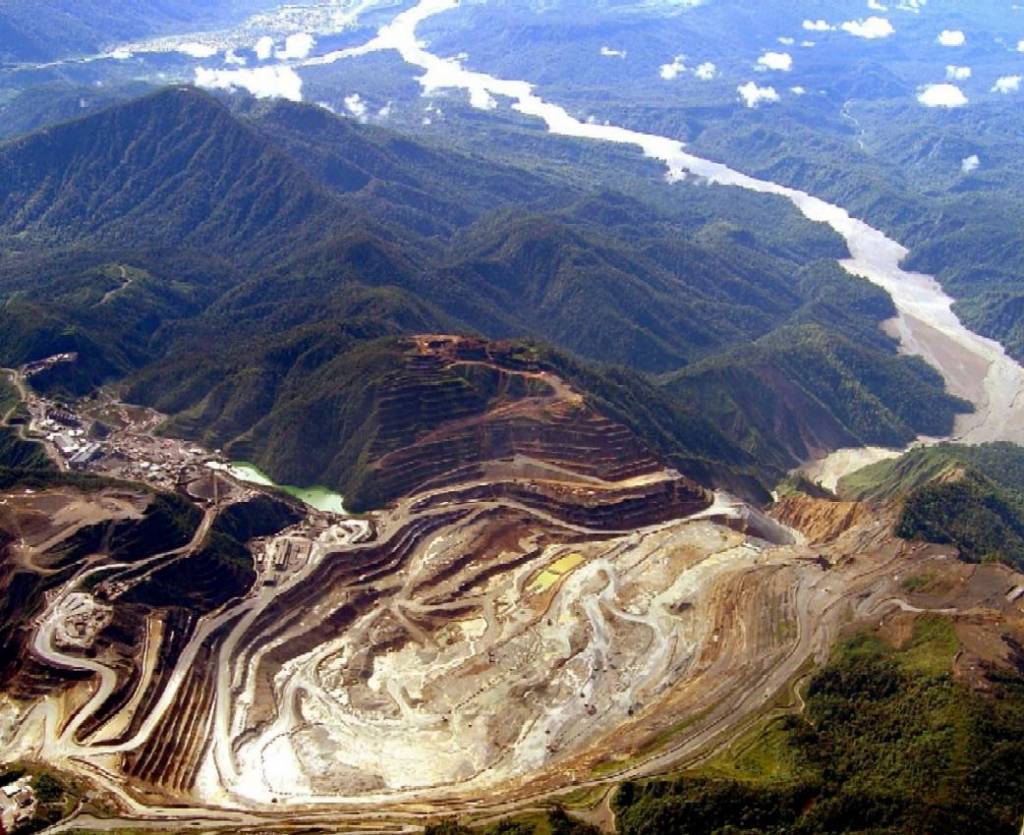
(932, 647)
(889, 742)
(918, 583)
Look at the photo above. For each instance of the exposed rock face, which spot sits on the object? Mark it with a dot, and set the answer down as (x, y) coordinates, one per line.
(821, 520)
(531, 549)
(460, 403)
(540, 601)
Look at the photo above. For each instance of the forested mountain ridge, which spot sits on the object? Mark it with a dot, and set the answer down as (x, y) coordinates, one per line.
(300, 240)
(970, 496)
(174, 168)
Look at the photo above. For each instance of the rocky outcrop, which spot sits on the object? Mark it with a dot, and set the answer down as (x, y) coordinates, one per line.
(820, 520)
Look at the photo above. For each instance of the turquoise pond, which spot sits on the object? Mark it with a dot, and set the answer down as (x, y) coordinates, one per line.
(320, 498)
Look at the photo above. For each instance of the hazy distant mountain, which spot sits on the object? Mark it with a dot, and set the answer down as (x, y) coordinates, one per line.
(43, 30)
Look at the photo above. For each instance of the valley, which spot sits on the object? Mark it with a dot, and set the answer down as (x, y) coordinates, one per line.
(387, 445)
(975, 368)
(562, 614)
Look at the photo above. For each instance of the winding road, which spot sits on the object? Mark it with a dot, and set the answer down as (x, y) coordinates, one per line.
(973, 367)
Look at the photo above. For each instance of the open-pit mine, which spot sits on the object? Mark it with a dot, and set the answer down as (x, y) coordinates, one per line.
(543, 605)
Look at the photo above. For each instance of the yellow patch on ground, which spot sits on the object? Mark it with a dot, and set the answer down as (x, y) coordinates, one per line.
(555, 572)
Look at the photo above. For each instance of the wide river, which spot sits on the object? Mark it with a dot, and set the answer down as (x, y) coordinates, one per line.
(975, 368)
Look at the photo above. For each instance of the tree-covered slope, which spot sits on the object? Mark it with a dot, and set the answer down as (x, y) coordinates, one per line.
(172, 169)
(239, 267)
(968, 496)
(890, 741)
(804, 390)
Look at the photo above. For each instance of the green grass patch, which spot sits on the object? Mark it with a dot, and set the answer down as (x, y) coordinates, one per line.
(764, 753)
(889, 743)
(932, 647)
(917, 583)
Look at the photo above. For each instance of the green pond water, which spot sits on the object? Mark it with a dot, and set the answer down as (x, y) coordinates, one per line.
(320, 498)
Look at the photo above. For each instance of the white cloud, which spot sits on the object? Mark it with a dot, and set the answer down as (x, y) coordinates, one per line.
(262, 82)
(798, 91)
(264, 48)
(871, 28)
(952, 37)
(355, 105)
(481, 99)
(876, 6)
(234, 59)
(385, 111)
(753, 95)
(1007, 84)
(942, 95)
(806, 44)
(787, 41)
(196, 50)
(1020, 46)
(122, 53)
(781, 61)
(297, 47)
(969, 164)
(818, 26)
(608, 52)
(672, 70)
(954, 73)
(706, 71)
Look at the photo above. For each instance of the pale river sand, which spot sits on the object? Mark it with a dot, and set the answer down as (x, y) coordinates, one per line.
(829, 470)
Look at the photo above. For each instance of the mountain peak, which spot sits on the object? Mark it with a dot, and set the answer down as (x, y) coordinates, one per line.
(172, 168)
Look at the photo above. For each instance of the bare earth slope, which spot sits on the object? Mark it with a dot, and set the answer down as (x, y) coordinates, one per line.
(544, 606)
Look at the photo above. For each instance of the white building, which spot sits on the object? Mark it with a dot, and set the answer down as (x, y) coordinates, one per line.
(17, 804)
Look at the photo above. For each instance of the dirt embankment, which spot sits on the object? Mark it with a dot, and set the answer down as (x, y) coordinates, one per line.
(821, 520)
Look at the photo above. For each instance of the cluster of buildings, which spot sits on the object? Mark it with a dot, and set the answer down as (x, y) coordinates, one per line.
(40, 366)
(126, 453)
(280, 556)
(153, 460)
(17, 804)
(64, 430)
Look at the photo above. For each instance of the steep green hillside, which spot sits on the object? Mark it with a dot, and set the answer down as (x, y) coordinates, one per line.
(301, 241)
(313, 408)
(1001, 463)
(17, 453)
(983, 522)
(805, 389)
(901, 170)
(419, 187)
(675, 427)
(173, 169)
(112, 313)
(302, 409)
(968, 496)
(888, 742)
